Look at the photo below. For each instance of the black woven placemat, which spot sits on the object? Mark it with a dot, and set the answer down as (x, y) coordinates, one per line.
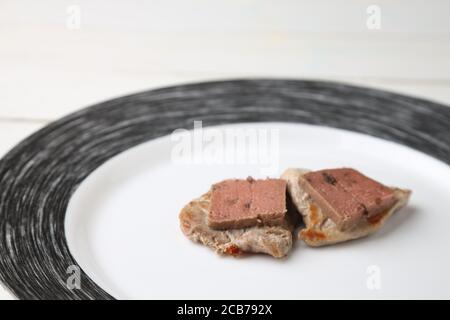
(38, 177)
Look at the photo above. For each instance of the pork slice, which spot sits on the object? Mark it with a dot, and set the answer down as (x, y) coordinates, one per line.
(320, 229)
(272, 240)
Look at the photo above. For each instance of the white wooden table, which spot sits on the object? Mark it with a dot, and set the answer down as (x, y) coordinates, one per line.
(58, 56)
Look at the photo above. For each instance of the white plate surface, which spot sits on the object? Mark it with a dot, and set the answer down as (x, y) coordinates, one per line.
(122, 226)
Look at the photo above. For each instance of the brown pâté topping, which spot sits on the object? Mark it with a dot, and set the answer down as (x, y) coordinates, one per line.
(313, 235)
(328, 178)
(364, 209)
(231, 202)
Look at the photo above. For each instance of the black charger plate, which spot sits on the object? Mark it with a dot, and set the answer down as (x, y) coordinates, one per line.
(38, 177)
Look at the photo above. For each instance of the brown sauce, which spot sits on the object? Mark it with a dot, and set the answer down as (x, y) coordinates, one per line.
(313, 235)
(313, 214)
(233, 250)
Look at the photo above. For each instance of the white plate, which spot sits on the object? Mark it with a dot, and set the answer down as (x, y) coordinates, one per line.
(122, 226)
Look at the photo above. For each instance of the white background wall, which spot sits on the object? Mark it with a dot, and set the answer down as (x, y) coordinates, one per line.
(50, 67)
